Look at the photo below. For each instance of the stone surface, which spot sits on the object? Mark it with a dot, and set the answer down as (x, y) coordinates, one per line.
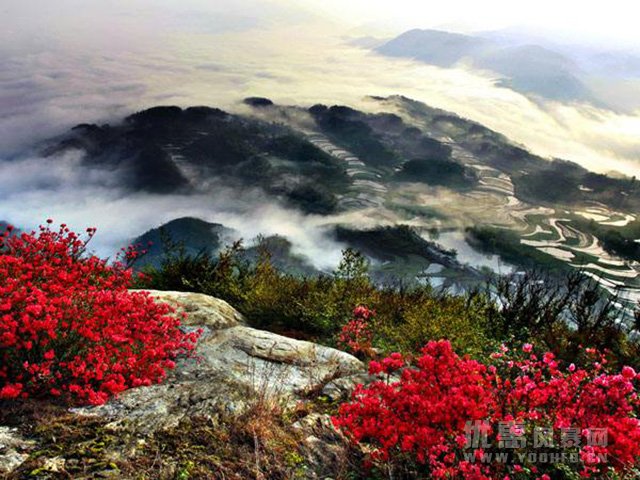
(234, 368)
(340, 389)
(265, 361)
(201, 310)
(234, 365)
(13, 450)
(326, 451)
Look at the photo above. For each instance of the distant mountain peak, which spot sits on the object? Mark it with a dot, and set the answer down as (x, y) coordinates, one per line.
(531, 69)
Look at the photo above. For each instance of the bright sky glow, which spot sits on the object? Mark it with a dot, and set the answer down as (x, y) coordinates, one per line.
(611, 22)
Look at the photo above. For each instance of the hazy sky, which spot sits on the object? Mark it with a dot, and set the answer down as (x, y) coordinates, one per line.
(598, 22)
(72, 61)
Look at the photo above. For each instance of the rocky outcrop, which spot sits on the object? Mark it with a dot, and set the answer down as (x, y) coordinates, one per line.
(13, 449)
(340, 389)
(326, 450)
(234, 365)
(201, 310)
(237, 372)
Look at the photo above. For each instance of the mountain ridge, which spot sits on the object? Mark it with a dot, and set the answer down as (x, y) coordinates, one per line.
(401, 162)
(530, 69)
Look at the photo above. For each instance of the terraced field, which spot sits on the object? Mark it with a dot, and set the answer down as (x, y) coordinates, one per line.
(556, 236)
(476, 202)
(492, 202)
(366, 191)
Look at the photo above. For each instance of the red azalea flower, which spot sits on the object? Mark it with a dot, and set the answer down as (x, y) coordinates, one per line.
(70, 327)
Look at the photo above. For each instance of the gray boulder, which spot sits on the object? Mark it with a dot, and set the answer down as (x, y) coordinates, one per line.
(342, 388)
(200, 309)
(234, 366)
(13, 450)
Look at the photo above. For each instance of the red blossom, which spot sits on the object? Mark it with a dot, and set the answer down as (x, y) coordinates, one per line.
(362, 312)
(69, 326)
(424, 415)
(356, 336)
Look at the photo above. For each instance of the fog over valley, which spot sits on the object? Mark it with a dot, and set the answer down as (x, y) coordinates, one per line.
(98, 64)
(54, 73)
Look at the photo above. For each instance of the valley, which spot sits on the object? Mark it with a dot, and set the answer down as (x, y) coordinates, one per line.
(426, 195)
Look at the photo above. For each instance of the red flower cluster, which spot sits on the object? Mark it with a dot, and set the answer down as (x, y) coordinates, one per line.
(425, 417)
(69, 327)
(364, 313)
(388, 365)
(133, 253)
(356, 336)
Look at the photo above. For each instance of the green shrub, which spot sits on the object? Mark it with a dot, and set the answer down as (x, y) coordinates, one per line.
(558, 314)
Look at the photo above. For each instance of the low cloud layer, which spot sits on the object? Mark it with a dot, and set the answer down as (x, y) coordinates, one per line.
(62, 189)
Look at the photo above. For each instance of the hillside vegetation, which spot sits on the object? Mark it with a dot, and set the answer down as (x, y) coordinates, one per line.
(523, 350)
(560, 312)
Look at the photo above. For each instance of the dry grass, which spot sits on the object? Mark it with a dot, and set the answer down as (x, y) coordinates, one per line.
(258, 444)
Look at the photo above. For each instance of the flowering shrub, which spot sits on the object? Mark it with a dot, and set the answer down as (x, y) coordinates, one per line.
(425, 419)
(70, 328)
(356, 335)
